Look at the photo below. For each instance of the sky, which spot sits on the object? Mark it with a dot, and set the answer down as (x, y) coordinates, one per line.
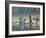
(24, 11)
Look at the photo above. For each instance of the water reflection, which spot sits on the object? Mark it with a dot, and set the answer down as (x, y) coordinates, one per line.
(24, 23)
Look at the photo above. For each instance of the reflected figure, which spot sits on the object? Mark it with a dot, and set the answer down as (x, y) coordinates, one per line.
(21, 23)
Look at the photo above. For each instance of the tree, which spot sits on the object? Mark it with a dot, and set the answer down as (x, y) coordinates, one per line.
(36, 19)
(30, 22)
